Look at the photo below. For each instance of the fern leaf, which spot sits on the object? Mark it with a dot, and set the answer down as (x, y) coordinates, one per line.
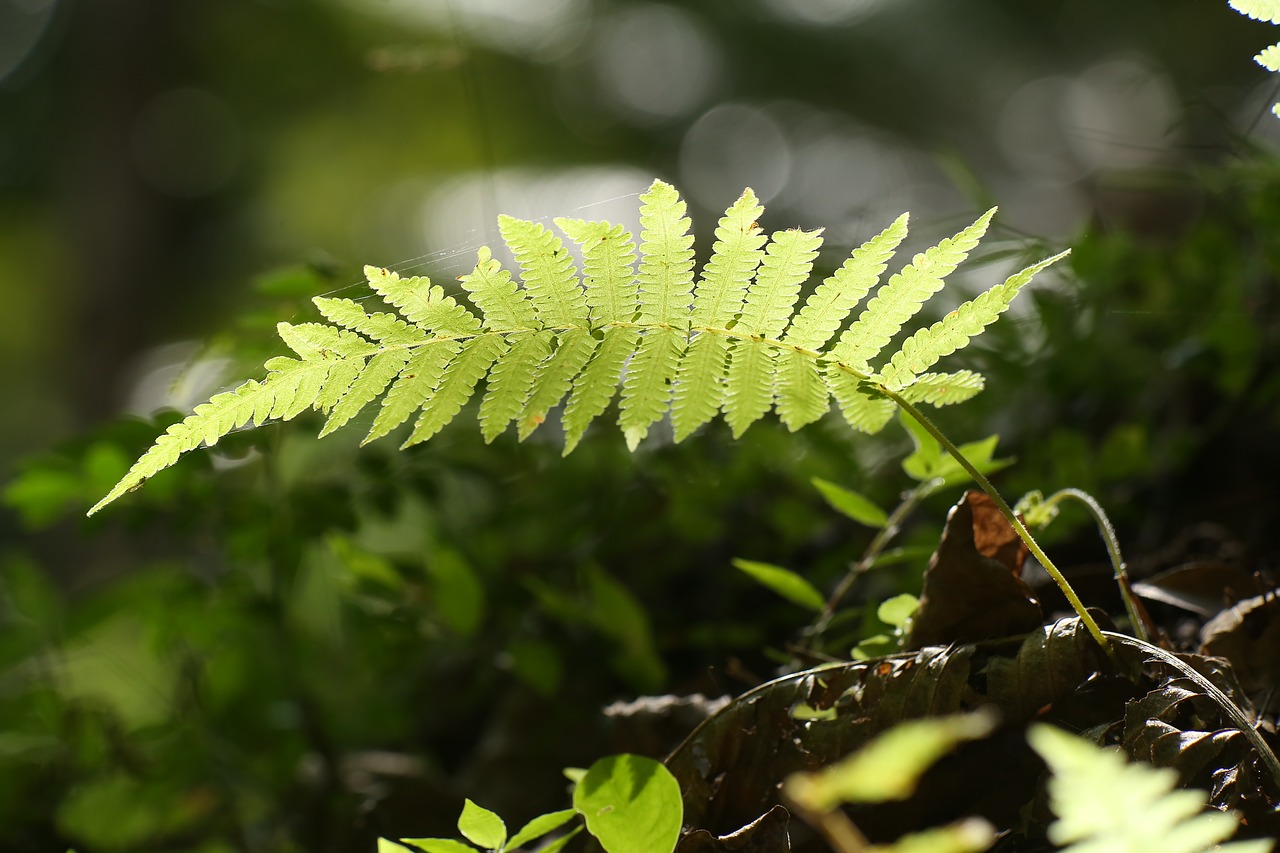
(505, 306)
(943, 389)
(737, 253)
(953, 332)
(276, 396)
(749, 385)
(549, 273)
(863, 409)
(1269, 58)
(555, 377)
(456, 386)
(596, 385)
(312, 341)
(1259, 10)
(800, 390)
(378, 373)
(421, 303)
(608, 255)
(830, 303)
(1106, 803)
(510, 382)
(904, 294)
(772, 296)
(414, 387)
(666, 258)
(646, 392)
(699, 390)
(383, 328)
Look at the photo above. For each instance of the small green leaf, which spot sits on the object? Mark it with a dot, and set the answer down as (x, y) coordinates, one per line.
(805, 711)
(481, 826)
(784, 582)
(430, 845)
(897, 611)
(861, 509)
(574, 774)
(877, 645)
(929, 462)
(540, 826)
(890, 766)
(631, 804)
(558, 845)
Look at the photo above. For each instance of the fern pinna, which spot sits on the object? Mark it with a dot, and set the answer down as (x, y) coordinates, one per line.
(730, 341)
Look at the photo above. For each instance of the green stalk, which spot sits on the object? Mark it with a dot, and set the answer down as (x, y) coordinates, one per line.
(1137, 616)
(1014, 521)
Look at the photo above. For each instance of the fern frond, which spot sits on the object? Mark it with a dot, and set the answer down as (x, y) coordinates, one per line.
(608, 253)
(422, 303)
(904, 294)
(596, 385)
(646, 392)
(666, 258)
(734, 344)
(923, 349)
(1259, 10)
(549, 274)
(510, 382)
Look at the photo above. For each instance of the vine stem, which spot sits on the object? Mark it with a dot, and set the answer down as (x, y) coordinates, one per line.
(1138, 616)
(1018, 527)
(882, 538)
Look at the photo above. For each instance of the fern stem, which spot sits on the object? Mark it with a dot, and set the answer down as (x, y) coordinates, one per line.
(1138, 617)
(1230, 708)
(1018, 527)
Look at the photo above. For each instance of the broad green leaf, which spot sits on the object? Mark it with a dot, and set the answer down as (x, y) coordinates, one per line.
(898, 610)
(785, 583)
(481, 826)
(540, 826)
(631, 804)
(847, 502)
(890, 766)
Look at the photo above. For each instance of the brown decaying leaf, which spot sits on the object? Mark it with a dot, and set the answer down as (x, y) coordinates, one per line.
(1248, 635)
(766, 834)
(973, 588)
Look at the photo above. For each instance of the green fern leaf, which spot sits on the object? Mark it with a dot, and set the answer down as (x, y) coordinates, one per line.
(554, 378)
(608, 253)
(953, 332)
(904, 294)
(700, 384)
(737, 253)
(1106, 803)
(801, 393)
(666, 258)
(734, 344)
(383, 328)
(421, 303)
(646, 392)
(863, 409)
(1259, 10)
(457, 386)
(549, 274)
(511, 380)
(416, 383)
(1269, 58)
(830, 303)
(596, 385)
(505, 306)
(749, 385)
(364, 389)
(943, 389)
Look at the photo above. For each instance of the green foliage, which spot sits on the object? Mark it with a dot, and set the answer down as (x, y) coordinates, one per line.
(1268, 11)
(486, 830)
(631, 804)
(734, 342)
(896, 612)
(852, 504)
(784, 582)
(1105, 803)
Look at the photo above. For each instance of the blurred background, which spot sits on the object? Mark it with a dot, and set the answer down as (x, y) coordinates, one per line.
(284, 646)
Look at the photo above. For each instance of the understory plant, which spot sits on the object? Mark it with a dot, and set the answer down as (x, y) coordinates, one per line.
(735, 340)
